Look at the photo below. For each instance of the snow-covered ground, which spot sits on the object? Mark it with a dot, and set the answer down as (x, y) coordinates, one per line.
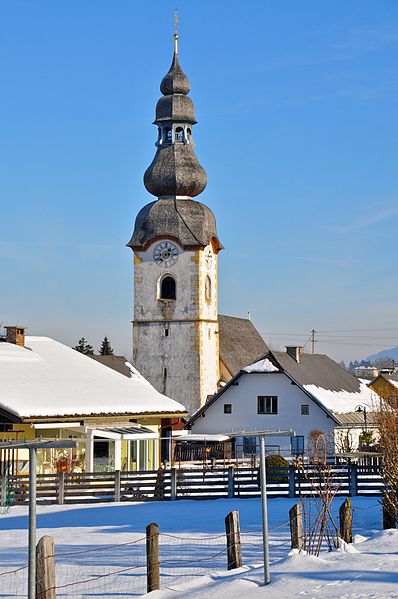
(92, 541)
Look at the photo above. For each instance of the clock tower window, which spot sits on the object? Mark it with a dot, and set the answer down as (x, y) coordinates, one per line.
(208, 288)
(168, 289)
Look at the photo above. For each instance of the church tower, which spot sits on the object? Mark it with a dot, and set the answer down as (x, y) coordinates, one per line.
(175, 245)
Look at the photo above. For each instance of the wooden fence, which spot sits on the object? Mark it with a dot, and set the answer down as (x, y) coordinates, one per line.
(172, 484)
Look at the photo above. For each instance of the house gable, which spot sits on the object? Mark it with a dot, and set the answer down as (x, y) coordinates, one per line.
(242, 393)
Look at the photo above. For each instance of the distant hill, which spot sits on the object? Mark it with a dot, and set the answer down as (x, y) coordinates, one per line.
(385, 354)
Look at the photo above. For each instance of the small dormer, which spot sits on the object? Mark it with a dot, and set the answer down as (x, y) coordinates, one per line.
(294, 351)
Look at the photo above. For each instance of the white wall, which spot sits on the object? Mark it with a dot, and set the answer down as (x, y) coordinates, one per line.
(244, 417)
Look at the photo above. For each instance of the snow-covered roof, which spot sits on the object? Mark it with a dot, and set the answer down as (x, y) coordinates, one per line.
(263, 365)
(46, 379)
(395, 383)
(345, 401)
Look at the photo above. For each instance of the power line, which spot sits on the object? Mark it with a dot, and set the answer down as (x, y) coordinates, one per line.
(329, 336)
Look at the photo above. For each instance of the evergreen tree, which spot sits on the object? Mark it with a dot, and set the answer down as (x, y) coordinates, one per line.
(106, 348)
(84, 348)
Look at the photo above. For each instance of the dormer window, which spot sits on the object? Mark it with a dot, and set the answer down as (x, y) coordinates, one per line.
(168, 290)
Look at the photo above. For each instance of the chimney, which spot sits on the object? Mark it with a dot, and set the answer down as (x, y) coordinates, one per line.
(15, 335)
(294, 352)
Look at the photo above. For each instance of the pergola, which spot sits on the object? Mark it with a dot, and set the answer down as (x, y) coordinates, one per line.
(33, 446)
(114, 432)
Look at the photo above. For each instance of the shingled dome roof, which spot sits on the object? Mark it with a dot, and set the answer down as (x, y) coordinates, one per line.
(175, 81)
(175, 171)
(189, 222)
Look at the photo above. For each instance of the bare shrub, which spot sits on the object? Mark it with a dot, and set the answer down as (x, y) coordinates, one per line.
(387, 421)
(319, 480)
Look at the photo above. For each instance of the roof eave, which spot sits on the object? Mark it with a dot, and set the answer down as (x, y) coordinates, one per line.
(314, 398)
(11, 416)
(165, 414)
(201, 410)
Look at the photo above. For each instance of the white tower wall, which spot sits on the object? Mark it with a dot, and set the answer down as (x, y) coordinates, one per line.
(176, 342)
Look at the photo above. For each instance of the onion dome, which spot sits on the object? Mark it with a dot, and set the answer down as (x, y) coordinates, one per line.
(175, 81)
(190, 223)
(175, 171)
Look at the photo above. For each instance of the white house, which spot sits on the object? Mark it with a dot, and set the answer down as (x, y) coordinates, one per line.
(286, 390)
(51, 391)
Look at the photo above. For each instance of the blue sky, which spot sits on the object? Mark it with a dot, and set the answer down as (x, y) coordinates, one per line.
(297, 110)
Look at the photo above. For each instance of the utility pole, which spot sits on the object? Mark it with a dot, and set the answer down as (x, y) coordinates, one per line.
(313, 340)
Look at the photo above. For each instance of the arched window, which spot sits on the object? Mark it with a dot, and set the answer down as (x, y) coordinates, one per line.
(179, 134)
(208, 288)
(168, 288)
(167, 134)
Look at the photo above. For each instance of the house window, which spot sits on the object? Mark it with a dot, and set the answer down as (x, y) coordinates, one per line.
(297, 445)
(305, 410)
(227, 408)
(168, 288)
(267, 404)
(249, 445)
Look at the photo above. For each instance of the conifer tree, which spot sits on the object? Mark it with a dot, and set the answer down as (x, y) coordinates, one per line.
(84, 348)
(106, 348)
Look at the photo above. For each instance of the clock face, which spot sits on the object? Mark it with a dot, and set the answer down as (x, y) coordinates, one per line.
(208, 258)
(165, 254)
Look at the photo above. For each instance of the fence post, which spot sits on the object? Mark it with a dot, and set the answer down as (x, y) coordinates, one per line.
(296, 526)
(117, 485)
(173, 483)
(345, 515)
(232, 530)
(389, 516)
(292, 481)
(152, 557)
(45, 568)
(4, 485)
(61, 488)
(231, 481)
(353, 482)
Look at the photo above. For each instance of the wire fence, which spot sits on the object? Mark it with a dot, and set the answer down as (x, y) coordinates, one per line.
(120, 571)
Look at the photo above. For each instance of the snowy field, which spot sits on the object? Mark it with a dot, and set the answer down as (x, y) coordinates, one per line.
(100, 552)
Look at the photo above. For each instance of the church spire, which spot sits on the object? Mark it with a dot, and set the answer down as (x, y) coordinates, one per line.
(175, 171)
(175, 36)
